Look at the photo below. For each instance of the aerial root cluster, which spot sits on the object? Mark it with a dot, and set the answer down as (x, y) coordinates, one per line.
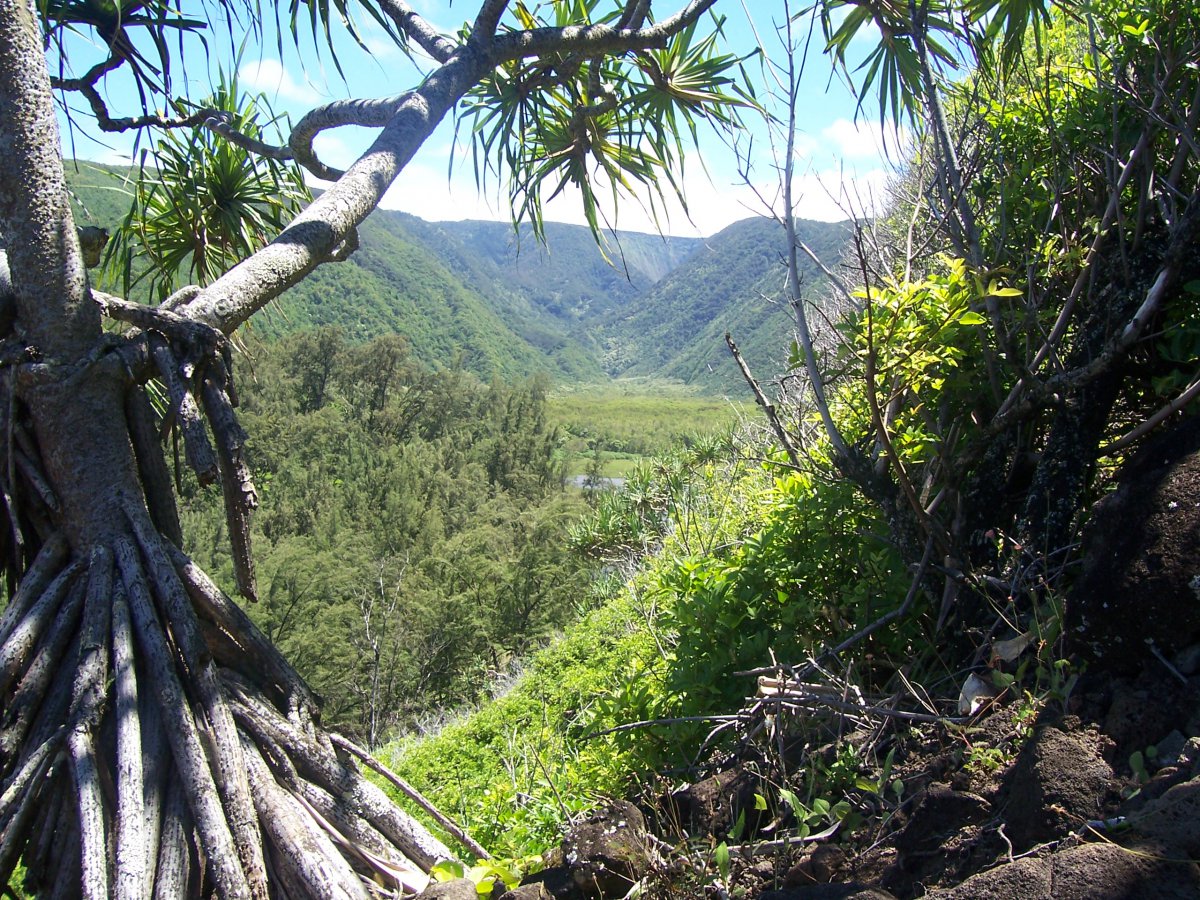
(152, 743)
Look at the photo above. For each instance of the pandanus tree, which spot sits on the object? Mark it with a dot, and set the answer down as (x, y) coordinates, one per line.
(152, 741)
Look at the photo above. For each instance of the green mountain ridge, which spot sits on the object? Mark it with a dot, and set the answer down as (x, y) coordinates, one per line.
(495, 301)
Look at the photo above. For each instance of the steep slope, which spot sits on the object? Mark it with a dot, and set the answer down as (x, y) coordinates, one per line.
(499, 303)
(393, 284)
(550, 293)
(567, 277)
(733, 283)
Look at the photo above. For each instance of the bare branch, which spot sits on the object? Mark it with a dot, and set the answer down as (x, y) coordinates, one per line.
(1190, 393)
(90, 77)
(418, 30)
(767, 405)
(364, 113)
(593, 39)
(486, 22)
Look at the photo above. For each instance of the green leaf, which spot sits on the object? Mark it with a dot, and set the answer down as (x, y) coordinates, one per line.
(448, 870)
(721, 857)
(739, 827)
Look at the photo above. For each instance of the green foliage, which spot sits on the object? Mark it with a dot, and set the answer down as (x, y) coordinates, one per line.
(519, 766)
(630, 419)
(917, 43)
(202, 204)
(410, 538)
(612, 121)
(923, 340)
(734, 563)
(804, 576)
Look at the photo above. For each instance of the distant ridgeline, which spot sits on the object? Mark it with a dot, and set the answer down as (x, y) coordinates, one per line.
(501, 304)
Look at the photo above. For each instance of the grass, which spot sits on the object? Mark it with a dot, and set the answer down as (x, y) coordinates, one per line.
(629, 420)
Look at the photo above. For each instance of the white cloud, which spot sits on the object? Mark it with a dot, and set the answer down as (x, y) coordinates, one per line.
(270, 77)
(333, 151)
(828, 196)
(864, 140)
(425, 191)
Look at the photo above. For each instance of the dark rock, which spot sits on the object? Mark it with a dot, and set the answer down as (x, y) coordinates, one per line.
(555, 881)
(1089, 872)
(1170, 749)
(1140, 583)
(528, 892)
(712, 807)
(849, 891)
(1059, 781)
(458, 889)
(603, 856)
(1145, 711)
(1187, 660)
(1109, 872)
(1023, 879)
(940, 841)
(819, 866)
(1171, 820)
(939, 811)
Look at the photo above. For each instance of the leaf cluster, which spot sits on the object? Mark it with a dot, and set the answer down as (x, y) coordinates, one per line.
(564, 120)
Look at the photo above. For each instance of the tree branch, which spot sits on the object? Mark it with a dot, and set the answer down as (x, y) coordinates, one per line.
(418, 30)
(314, 234)
(364, 113)
(486, 22)
(593, 39)
(768, 407)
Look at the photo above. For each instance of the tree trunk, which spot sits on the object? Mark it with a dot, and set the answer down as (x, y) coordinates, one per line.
(107, 631)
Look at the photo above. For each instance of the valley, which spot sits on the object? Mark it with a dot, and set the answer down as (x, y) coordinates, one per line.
(492, 300)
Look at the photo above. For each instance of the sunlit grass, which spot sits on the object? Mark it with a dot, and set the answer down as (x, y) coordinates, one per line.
(629, 420)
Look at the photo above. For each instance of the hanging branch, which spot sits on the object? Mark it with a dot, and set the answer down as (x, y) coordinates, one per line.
(152, 465)
(46, 566)
(237, 488)
(767, 406)
(195, 439)
(173, 868)
(267, 662)
(18, 802)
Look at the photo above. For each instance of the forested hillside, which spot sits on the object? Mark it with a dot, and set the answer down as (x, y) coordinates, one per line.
(497, 302)
(411, 537)
(736, 283)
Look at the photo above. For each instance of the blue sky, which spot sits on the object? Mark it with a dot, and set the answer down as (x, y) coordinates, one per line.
(840, 161)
